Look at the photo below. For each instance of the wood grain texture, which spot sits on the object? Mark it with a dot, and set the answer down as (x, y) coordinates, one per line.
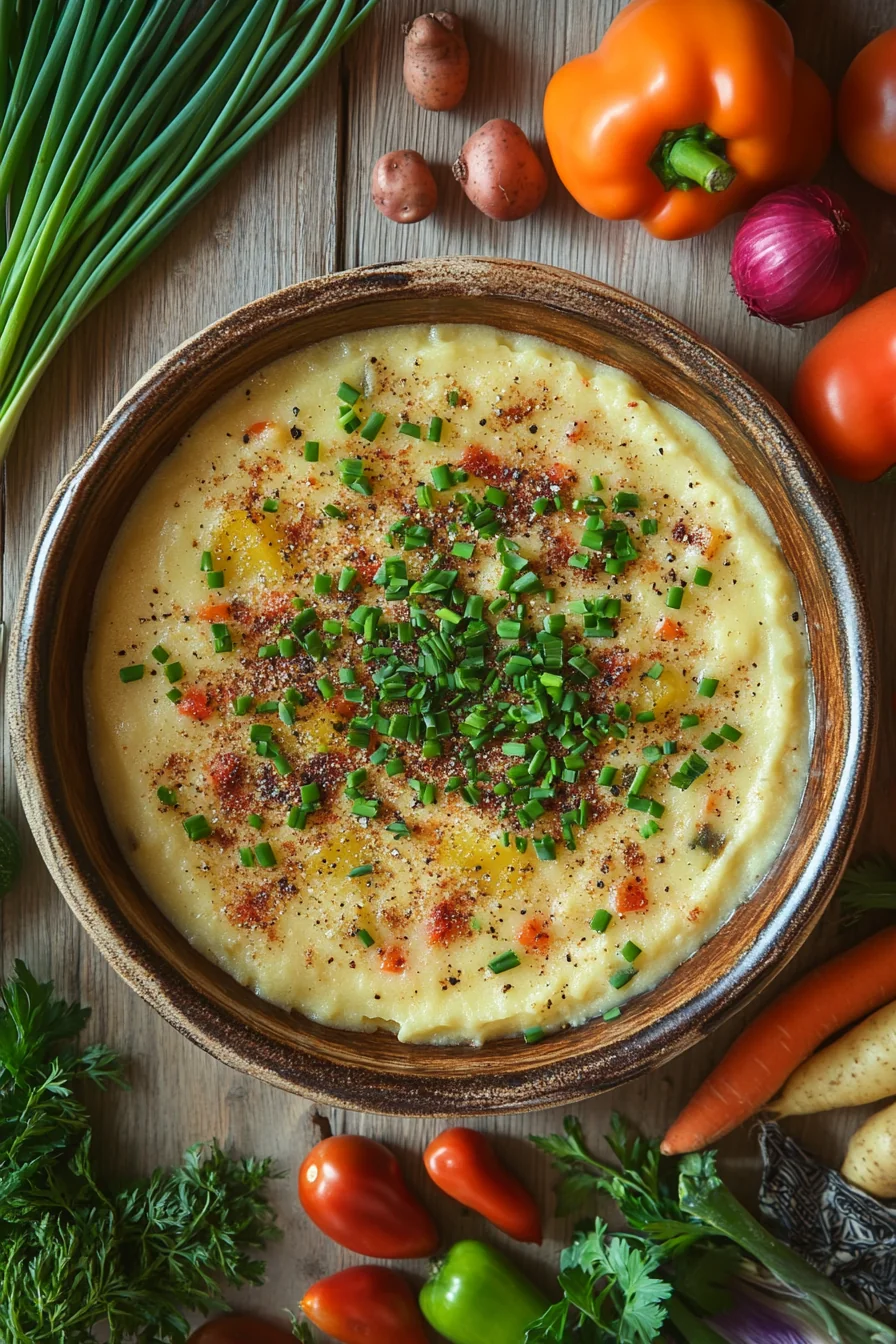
(301, 207)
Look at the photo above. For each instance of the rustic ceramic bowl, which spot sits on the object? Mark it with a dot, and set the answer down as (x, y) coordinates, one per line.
(375, 1072)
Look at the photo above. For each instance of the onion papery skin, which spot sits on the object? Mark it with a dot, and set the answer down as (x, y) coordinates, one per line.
(799, 254)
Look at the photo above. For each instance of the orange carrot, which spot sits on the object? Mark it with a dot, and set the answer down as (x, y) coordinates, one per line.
(784, 1034)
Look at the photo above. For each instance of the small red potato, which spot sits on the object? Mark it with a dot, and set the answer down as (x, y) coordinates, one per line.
(403, 189)
(436, 60)
(500, 171)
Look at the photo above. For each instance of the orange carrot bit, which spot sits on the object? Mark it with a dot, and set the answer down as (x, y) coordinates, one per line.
(785, 1033)
(214, 611)
(669, 629)
(535, 934)
(630, 895)
(194, 704)
(260, 427)
(393, 960)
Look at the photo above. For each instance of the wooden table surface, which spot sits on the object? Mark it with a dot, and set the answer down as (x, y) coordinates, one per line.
(299, 207)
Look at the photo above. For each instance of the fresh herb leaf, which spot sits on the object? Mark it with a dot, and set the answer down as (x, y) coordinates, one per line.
(868, 885)
(76, 1255)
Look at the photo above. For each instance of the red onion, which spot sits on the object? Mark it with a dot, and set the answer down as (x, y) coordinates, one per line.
(799, 254)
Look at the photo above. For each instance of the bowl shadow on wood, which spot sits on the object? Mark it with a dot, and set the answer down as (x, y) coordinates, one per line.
(375, 1072)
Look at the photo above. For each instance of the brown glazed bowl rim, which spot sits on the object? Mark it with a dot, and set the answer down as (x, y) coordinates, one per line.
(357, 1070)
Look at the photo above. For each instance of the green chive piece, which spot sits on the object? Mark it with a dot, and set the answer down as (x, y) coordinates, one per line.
(264, 855)
(174, 695)
(197, 827)
(364, 938)
(730, 734)
(295, 818)
(702, 577)
(506, 961)
(255, 820)
(174, 671)
(347, 579)
(413, 431)
(322, 584)
(160, 654)
(132, 673)
(649, 527)
(286, 647)
(619, 979)
(712, 742)
(545, 847)
(311, 450)
(268, 650)
(531, 1035)
(674, 598)
(646, 716)
(607, 775)
(334, 511)
(601, 920)
(496, 496)
(631, 951)
(247, 858)
(362, 870)
(215, 578)
(434, 433)
(689, 720)
(206, 562)
(625, 500)
(372, 426)
(271, 505)
(654, 672)
(347, 394)
(464, 549)
(708, 687)
(611, 1014)
(166, 796)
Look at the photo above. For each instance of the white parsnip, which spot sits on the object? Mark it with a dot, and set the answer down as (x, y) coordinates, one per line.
(858, 1068)
(870, 1161)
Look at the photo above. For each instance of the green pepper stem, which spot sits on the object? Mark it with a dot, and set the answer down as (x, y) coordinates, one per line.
(691, 158)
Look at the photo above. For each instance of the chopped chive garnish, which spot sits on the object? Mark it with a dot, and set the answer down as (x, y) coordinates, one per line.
(607, 775)
(531, 1035)
(160, 654)
(206, 562)
(507, 961)
(464, 549)
(545, 847)
(434, 433)
(334, 511)
(654, 672)
(611, 1014)
(631, 951)
(442, 477)
(322, 584)
(730, 734)
(649, 527)
(712, 741)
(347, 578)
(311, 450)
(372, 426)
(600, 921)
(625, 500)
(413, 431)
(197, 827)
(215, 578)
(268, 650)
(247, 858)
(689, 720)
(166, 795)
(271, 505)
(496, 496)
(174, 695)
(362, 870)
(286, 647)
(708, 687)
(645, 716)
(174, 671)
(347, 394)
(255, 820)
(674, 598)
(132, 673)
(364, 938)
(619, 979)
(453, 397)
(702, 577)
(264, 855)
(326, 688)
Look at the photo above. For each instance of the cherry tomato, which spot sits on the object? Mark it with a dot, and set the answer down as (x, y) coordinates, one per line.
(463, 1163)
(844, 397)
(240, 1330)
(353, 1189)
(866, 112)
(367, 1304)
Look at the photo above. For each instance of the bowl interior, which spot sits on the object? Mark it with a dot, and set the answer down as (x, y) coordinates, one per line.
(375, 1071)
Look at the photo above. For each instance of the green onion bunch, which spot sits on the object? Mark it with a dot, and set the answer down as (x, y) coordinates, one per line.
(117, 116)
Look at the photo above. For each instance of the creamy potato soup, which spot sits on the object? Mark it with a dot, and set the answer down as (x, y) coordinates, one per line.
(445, 682)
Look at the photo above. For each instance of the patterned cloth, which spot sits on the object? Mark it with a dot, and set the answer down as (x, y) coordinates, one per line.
(842, 1231)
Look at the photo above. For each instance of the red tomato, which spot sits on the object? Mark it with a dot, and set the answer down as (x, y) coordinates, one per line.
(463, 1163)
(866, 112)
(353, 1189)
(367, 1304)
(844, 397)
(240, 1330)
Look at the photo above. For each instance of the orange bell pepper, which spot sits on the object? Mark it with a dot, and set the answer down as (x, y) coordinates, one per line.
(687, 111)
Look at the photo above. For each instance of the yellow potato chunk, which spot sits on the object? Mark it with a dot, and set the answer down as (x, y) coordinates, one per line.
(249, 550)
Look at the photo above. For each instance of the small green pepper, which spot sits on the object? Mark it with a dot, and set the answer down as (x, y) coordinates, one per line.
(475, 1296)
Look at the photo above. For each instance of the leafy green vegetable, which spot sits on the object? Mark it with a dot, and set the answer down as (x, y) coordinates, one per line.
(114, 120)
(75, 1254)
(689, 1252)
(868, 885)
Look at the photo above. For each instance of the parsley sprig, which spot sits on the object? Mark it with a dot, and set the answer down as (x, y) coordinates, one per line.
(868, 885)
(76, 1254)
(688, 1247)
